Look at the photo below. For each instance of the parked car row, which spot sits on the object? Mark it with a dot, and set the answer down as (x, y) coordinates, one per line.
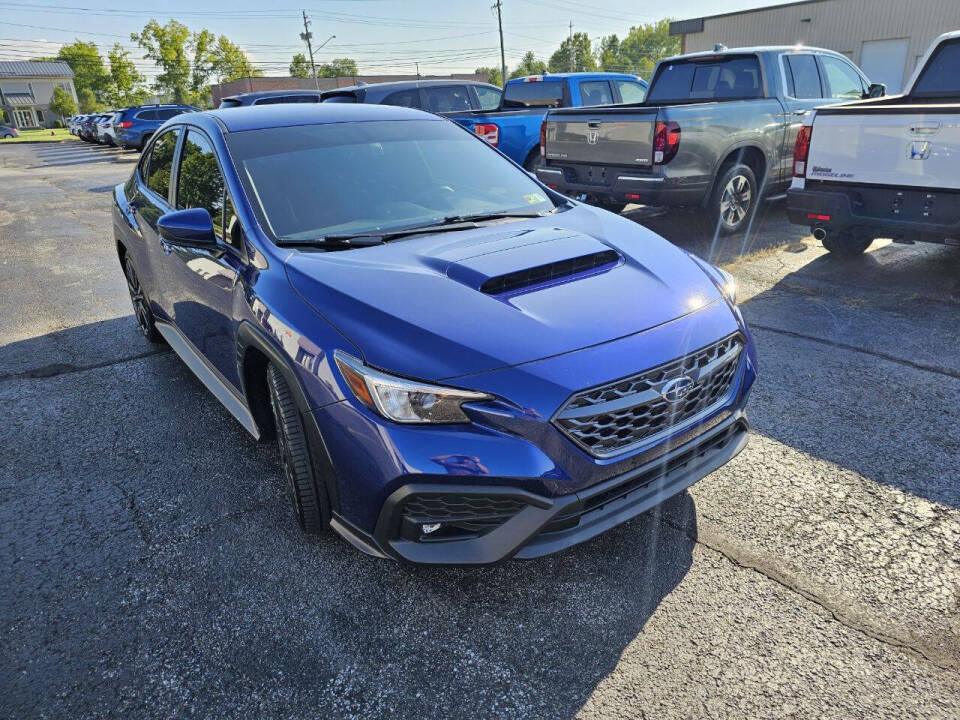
(129, 128)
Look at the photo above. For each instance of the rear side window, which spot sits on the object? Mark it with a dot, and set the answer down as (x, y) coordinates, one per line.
(287, 99)
(804, 77)
(446, 98)
(631, 92)
(596, 92)
(735, 78)
(941, 76)
(533, 94)
(842, 80)
(161, 163)
(489, 97)
(402, 98)
(168, 113)
(199, 180)
(147, 115)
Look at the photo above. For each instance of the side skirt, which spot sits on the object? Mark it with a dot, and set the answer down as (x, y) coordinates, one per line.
(208, 376)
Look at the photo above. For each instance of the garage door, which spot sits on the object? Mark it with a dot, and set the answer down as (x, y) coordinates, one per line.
(884, 61)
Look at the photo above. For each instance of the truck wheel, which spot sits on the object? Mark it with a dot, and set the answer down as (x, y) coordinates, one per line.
(533, 161)
(141, 306)
(734, 200)
(846, 245)
(308, 497)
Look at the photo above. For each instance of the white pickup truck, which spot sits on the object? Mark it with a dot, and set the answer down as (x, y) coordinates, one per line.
(888, 167)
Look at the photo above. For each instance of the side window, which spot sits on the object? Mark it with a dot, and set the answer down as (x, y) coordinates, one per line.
(160, 164)
(805, 75)
(200, 182)
(147, 115)
(448, 98)
(843, 80)
(403, 98)
(168, 113)
(631, 92)
(489, 97)
(596, 92)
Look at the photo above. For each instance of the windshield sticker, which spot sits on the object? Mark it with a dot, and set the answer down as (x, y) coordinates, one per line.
(534, 198)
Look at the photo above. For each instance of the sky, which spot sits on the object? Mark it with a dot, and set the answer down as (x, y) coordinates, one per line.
(383, 36)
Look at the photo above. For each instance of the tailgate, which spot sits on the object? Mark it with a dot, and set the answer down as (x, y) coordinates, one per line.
(908, 146)
(619, 137)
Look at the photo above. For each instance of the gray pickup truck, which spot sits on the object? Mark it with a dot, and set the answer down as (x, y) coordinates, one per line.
(716, 131)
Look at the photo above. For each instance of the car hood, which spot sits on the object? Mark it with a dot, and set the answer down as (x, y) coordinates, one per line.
(452, 304)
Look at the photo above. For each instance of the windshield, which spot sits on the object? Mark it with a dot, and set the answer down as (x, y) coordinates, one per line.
(366, 177)
(734, 78)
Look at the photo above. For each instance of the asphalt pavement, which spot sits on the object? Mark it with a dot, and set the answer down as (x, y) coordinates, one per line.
(150, 565)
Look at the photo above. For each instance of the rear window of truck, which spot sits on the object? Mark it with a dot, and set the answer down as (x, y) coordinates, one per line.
(940, 77)
(534, 94)
(728, 78)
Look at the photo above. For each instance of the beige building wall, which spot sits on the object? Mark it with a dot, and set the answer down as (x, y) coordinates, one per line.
(841, 25)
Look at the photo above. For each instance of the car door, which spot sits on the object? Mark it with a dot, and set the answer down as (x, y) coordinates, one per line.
(149, 200)
(201, 282)
(803, 91)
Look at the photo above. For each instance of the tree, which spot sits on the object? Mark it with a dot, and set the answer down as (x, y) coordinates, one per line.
(166, 45)
(230, 62)
(640, 50)
(62, 103)
(88, 101)
(529, 65)
(338, 67)
(583, 60)
(300, 66)
(87, 65)
(124, 82)
(493, 75)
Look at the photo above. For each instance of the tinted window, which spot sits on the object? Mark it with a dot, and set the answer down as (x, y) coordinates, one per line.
(843, 80)
(287, 99)
(805, 77)
(199, 181)
(533, 94)
(147, 115)
(161, 162)
(168, 113)
(403, 98)
(371, 176)
(489, 97)
(596, 92)
(631, 92)
(447, 98)
(343, 99)
(726, 79)
(230, 102)
(941, 76)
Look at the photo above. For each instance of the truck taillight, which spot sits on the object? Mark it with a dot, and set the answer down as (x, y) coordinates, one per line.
(126, 124)
(801, 150)
(489, 132)
(666, 142)
(543, 139)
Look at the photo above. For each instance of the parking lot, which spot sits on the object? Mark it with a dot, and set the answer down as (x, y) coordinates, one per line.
(151, 567)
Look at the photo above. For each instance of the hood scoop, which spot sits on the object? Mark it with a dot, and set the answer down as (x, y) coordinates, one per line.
(548, 273)
(535, 259)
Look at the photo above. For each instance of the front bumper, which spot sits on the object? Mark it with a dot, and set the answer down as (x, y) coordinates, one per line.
(547, 525)
(624, 186)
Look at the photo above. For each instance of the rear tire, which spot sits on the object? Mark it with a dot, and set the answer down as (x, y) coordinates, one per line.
(141, 305)
(734, 200)
(143, 142)
(845, 245)
(533, 162)
(309, 498)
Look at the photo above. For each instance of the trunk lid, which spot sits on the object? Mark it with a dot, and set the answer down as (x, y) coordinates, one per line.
(618, 136)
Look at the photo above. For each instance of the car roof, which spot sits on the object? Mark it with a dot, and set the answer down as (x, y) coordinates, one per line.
(757, 49)
(259, 117)
(404, 84)
(269, 93)
(577, 76)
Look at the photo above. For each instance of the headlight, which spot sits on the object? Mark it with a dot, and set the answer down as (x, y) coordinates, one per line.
(729, 286)
(404, 401)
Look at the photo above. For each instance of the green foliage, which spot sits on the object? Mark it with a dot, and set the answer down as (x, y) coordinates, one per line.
(88, 101)
(579, 48)
(87, 65)
(338, 67)
(62, 103)
(640, 50)
(300, 66)
(494, 76)
(230, 62)
(125, 83)
(529, 65)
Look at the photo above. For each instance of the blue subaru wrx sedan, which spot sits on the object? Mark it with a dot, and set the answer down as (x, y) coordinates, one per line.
(458, 365)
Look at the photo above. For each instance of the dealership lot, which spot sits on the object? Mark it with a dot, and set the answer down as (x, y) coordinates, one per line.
(151, 566)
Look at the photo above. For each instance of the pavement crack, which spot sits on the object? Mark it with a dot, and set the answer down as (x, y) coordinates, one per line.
(56, 369)
(839, 608)
(864, 351)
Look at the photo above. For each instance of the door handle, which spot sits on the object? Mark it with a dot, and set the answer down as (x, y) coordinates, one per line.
(801, 113)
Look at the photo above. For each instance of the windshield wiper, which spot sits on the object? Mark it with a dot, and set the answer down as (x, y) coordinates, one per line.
(480, 217)
(337, 241)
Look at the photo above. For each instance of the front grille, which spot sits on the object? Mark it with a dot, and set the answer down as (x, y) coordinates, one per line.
(615, 417)
(549, 272)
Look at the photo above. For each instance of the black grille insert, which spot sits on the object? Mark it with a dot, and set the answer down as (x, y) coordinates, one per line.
(612, 418)
(546, 273)
(459, 514)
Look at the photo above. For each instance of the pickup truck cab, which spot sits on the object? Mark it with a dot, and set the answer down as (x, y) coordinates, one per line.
(716, 131)
(514, 127)
(887, 167)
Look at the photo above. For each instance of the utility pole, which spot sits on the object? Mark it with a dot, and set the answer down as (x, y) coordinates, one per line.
(306, 36)
(418, 68)
(571, 46)
(503, 58)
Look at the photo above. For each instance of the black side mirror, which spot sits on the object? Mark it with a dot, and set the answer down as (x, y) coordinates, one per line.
(189, 228)
(876, 90)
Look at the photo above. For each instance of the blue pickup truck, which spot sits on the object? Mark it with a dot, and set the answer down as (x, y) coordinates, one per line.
(514, 127)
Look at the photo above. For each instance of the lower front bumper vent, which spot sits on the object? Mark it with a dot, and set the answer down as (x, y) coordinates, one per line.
(457, 515)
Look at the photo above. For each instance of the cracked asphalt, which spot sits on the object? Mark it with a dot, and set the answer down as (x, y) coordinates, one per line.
(150, 567)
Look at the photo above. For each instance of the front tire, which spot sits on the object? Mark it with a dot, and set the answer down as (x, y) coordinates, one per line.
(845, 245)
(308, 498)
(734, 200)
